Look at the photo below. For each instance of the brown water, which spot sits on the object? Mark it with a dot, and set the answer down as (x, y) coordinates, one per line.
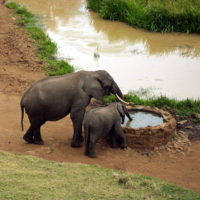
(168, 63)
(142, 119)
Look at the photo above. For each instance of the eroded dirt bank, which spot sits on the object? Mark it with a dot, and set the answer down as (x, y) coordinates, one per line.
(19, 69)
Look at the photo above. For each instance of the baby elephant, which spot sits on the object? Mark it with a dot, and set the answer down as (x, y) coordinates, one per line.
(102, 121)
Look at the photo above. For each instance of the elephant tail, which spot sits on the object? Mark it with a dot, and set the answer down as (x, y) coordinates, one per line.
(22, 109)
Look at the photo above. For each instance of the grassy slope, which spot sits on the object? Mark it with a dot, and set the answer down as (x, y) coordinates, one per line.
(153, 15)
(46, 48)
(29, 177)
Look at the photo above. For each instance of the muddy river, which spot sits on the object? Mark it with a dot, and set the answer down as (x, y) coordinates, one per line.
(168, 64)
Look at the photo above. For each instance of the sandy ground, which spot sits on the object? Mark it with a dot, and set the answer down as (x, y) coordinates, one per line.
(19, 69)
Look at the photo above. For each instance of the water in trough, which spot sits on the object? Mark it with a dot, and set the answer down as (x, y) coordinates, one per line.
(142, 119)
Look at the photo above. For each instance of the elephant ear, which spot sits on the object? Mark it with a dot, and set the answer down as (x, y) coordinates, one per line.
(93, 88)
(121, 111)
(98, 84)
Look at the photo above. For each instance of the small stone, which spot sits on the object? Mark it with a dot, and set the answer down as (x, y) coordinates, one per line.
(168, 149)
(177, 150)
(173, 151)
(170, 156)
(189, 143)
(182, 153)
(169, 146)
(197, 115)
(177, 146)
(144, 152)
(182, 122)
(173, 161)
(162, 147)
(189, 127)
(159, 154)
(137, 152)
(156, 148)
(182, 135)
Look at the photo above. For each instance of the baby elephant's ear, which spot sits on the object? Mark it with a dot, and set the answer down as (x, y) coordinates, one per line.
(121, 111)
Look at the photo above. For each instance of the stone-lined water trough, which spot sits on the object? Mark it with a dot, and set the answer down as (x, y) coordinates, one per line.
(150, 136)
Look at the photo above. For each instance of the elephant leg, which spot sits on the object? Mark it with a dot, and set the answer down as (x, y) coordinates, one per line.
(36, 123)
(113, 141)
(77, 119)
(28, 136)
(92, 144)
(37, 137)
(120, 133)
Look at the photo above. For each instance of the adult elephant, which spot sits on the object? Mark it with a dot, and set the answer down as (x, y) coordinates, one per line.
(53, 98)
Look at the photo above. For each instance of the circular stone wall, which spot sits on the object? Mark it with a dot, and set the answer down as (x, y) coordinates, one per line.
(150, 136)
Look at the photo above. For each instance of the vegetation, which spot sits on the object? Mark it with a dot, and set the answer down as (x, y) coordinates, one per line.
(186, 109)
(46, 48)
(29, 177)
(153, 15)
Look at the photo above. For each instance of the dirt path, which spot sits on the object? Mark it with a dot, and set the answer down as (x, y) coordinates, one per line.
(18, 70)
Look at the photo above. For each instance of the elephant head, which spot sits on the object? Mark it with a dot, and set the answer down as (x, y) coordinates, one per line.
(123, 111)
(99, 84)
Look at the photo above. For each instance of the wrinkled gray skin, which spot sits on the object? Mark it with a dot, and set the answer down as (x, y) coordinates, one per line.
(53, 98)
(102, 121)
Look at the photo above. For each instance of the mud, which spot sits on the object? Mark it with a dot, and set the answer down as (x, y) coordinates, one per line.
(19, 69)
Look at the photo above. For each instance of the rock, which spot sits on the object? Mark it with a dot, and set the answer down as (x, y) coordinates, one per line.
(177, 146)
(182, 135)
(182, 122)
(173, 151)
(177, 150)
(169, 146)
(189, 143)
(197, 115)
(170, 156)
(156, 148)
(162, 147)
(159, 154)
(182, 153)
(168, 149)
(189, 127)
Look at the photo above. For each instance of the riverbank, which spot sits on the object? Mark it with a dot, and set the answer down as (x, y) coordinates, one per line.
(46, 48)
(154, 15)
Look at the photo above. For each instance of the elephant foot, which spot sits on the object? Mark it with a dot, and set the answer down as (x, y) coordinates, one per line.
(114, 146)
(125, 145)
(92, 155)
(82, 138)
(76, 144)
(28, 139)
(41, 142)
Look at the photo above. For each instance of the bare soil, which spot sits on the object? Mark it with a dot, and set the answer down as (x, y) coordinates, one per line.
(19, 69)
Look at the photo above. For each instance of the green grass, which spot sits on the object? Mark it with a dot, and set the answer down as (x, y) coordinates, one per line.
(153, 15)
(46, 48)
(29, 177)
(186, 109)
